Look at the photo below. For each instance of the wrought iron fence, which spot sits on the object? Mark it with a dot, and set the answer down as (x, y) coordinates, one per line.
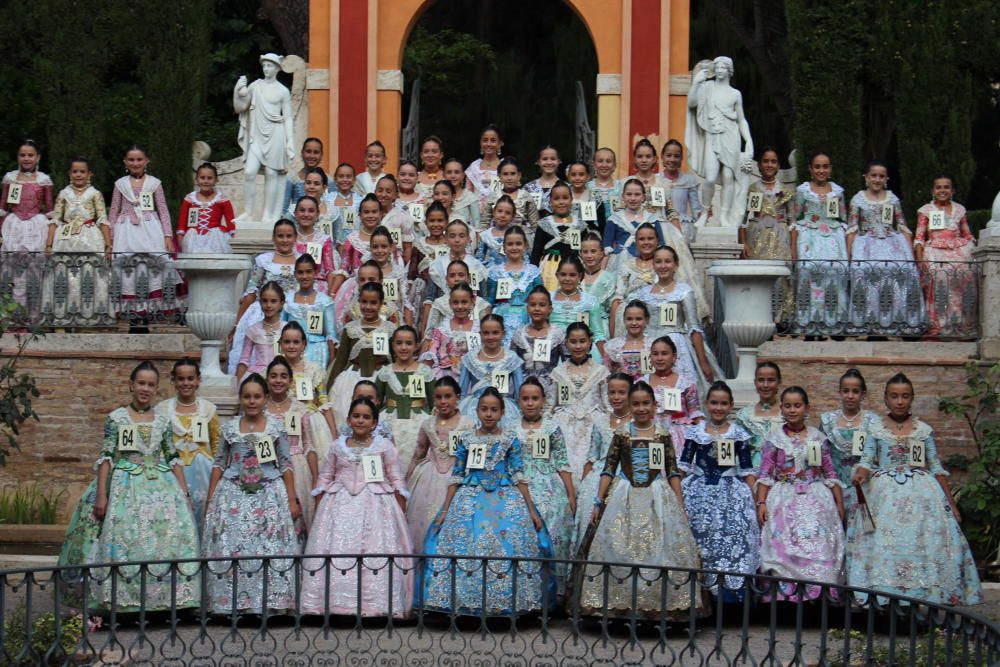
(880, 298)
(74, 616)
(92, 290)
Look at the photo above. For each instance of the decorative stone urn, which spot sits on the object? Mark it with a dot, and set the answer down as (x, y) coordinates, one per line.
(749, 320)
(211, 314)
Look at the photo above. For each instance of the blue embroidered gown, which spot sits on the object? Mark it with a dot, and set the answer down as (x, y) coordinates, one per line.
(317, 350)
(513, 310)
(488, 516)
(477, 375)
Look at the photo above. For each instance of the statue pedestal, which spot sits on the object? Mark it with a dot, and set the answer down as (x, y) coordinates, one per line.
(748, 323)
(252, 236)
(713, 244)
(212, 283)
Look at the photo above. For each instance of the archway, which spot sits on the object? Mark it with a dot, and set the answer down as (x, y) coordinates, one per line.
(478, 61)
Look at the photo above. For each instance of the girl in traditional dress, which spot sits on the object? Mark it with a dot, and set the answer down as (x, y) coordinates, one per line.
(252, 508)
(439, 310)
(847, 430)
(406, 386)
(718, 494)
(492, 365)
(326, 219)
(800, 505)
(877, 231)
(559, 235)
(658, 200)
(310, 384)
(578, 400)
(678, 404)
(411, 198)
(682, 189)
(276, 265)
(363, 349)
(481, 172)
(571, 304)
(618, 414)
(625, 354)
(945, 242)
(137, 509)
(619, 233)
(261, 341)
(25, 199)
(453, 338)
(491, 250)
(374, 168)
(357, 245)
(429, 474)
(578, 176)
(457, 233)
(195, 426)
(431, 157)
(917, 548)
(345, 201)
(206, 221)
(539, 343)
(641, 521)
(466, 205)
(141, 225)
(525, 202)
(312, 156)
(345, 304)
(318, 245)
(818, 234)
(313, 311)
(548, 165)
(597, 281)
(444, 193)
(604, 186)
(764, 416)
(548, 473)
(362, 501)
(383, 251)
(508, 283)
(295, 416)
(483, 516)
(395, 219)
(79, 220)
(425, 250)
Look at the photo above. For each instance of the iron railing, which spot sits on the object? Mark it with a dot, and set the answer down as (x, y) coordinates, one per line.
(90, 290)
(49, 617)
(880, 298)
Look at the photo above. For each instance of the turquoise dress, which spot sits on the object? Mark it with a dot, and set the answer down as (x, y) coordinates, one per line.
(844, 456)
(917, 548)
(758, 427)
(587, 310)
(317, 350)
(603, 291)
(513, 310)
(488, 517)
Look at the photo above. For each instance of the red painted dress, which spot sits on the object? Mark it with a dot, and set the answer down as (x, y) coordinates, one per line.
(206, 226)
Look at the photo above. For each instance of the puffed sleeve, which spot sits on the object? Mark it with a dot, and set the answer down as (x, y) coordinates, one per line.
(669, 464)
(167, 449)
(327, 472)
(614, 455)
(214, 434)
(420, 451)
(461, 456)
(162, 211)
(109, 445)
(59, 210)
(691, 313)
(921, 235)
(869, 453)
(854, 218)
(898, 218)
(933, 460)
(686, 462)
(182, 217)
(283, 452)
(596, 440)
(744, 457)
(597, 322)
(560, 457)
(116, 208)
(691, 403)
(515, 462)
(963, 229)
(768, 464)
(256, 278)
(829, 471)
(99, 209)
(221, 460)
(228, 226)
(390, 461)
(330, 322)
(305, 437)
(465, 378)
(694, 201)
(797, 205)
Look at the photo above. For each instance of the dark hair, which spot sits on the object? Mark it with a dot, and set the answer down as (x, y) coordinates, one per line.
(532, 381)
(636, 303)
(365, 383)
(392, 339)
(381, 231)
(34, 144)
(86, 161)
(643, 142)
(650, 226)
(515, 230)
(305, 258)
(460, 262)
(294, 326)
(437, 207)
(768, 149)
(448, 381)
(677, 258)
(570, 259)
(539, 289)
(591, 235)
(618, 375)
(434, 139)
(447, 161)
(372, 287)
(448, 184)
(634, 181)
(371, 263)
(505, 199)
(391, 179)
(281, 222)
(579, 326)
(509, 161)
(641, 385)
(492, 317)
(185, 361)
(306, 198)
(490, 127)
(586, 167)
(273, 286)
(673, 142)
(491, 391)
(345, 164)
(143, 366)
(254, 378)
(899, 378)
(856, 374)
(610, 150)
(816, 154)
(131, 147)
(545, 148)
(463, 287)
(795, 389)
(719, 385)
(369, 197)
(560, 185)
(875, 163)
(316, 170)
(667, 340)
(769, 364)
(280, 361)
(203, 165)
(463, 224)
(376, 144)
(367, 402)
(309, 140)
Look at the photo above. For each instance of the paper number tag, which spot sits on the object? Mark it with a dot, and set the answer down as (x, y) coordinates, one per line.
(540, 447)
(501, 381)
(416, 211)
(415, 387)
(832, 207)
(128, 438)
(645, 364)
(314, 322)
(588, 211)
(396, 234)
(452, 443)
(657, 196)
(755, 202)
(348, 215)
(725, 452)
(657, 455)
(380, 343)
(476, 460)
(192, 220)
(537, 198)
(276, 345)
(473, 341)
(264, 448)
(857, 443)
(199, 430)
(937, 220)
(145, 201)
(888, 212)
(372, 466)
(325, 227)
(474, 281)
(584, 317)
(668, 314)
(615, 202)
(541, 350)
(918, 455)
(505, 288)
(65, 232)
(814, 453)
(671, 399)
(496, 185)
(563, 393)
(303, 388)
(14, 193)
(293, 423)
(573, 238)
(440, 250)
(315, 250)
(390, 287)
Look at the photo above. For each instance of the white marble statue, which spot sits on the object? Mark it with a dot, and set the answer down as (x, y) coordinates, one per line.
(266, 136)
(720, 148)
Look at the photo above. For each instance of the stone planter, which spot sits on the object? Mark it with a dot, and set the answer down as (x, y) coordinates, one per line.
(748, 321)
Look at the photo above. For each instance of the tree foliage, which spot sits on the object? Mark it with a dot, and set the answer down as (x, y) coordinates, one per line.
(17, 389)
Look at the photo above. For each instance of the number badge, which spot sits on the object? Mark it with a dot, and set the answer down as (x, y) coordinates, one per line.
(473, 340)
(888, 212)
(755, 202)
(372, 466)
(657, 455)
(416, 211)
(668, 314)
(657, 196)
(390, 287)
(415, 387)
(857, 443)
(145, 201)
(563, 393)
(918, 454)
(814, 453)
(265, 450)
(476, 460)
(314, 322)
(937, 220)
(348, 216)
(501, 381)
(14, 193)
(541, 350)
(293, 423)
(505, 289)
(725, 452)
(540, 447)
(199, 430)
(380, 344)
(303, 388)
(645, 363)
(452, 443)
(670, 397)
(128, 438)
(588, 211)
(832, 207)
(315, 250)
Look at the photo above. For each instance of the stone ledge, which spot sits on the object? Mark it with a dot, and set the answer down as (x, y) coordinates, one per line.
(916, 353)
(107, 346)
(31, 532)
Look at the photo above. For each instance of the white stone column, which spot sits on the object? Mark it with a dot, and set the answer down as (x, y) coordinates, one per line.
(988, 255)
(749, 321)
(211, 316)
